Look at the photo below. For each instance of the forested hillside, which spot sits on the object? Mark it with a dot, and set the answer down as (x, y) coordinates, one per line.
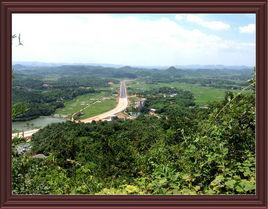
(135, 104)
(39, 96)
(183, 148)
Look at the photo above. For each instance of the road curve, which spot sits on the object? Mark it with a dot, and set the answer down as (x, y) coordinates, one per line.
(121, 106)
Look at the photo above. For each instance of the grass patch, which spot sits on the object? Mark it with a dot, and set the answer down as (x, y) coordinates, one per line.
(77, 104)
(87, 100)
(203, 95)
(99, 107)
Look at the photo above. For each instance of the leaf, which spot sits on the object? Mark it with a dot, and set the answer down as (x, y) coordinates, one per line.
(230, 184)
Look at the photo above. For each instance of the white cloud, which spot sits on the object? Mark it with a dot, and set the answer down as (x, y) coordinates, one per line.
(115, 39)
(210, 24)
(250, 28)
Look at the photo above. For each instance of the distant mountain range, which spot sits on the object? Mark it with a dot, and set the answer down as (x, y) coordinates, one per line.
(221, 67)
(47, 64)
(184, 67)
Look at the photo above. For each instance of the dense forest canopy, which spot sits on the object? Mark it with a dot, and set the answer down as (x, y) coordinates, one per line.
(182, 148)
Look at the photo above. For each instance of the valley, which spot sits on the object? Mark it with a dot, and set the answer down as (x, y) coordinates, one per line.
(128, 130)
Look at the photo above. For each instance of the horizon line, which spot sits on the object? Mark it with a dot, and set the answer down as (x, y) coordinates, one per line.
(124, 65)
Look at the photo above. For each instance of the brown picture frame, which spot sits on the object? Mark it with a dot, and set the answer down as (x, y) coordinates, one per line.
(258, 201)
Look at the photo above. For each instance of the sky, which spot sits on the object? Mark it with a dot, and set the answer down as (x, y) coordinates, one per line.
(135, 39)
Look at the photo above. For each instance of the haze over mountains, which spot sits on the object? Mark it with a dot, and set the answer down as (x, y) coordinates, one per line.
(185, 67)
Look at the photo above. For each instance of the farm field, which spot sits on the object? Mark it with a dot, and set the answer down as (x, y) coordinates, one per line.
(99, 107)
(203, 95)
(90, 104)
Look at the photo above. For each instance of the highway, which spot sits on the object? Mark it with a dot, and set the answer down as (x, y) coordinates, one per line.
(123, 90)
(121, 106)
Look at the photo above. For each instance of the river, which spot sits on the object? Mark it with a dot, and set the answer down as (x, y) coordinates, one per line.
(37, 123)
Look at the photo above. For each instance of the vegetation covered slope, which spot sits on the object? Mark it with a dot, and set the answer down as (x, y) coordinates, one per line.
(40, 97)
(184, 149)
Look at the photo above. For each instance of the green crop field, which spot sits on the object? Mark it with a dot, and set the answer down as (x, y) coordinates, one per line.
(203, 95)
(77, 104)
(90, 104)
(98, 108)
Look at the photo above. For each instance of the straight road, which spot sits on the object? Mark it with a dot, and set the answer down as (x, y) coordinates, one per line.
(123, 90)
